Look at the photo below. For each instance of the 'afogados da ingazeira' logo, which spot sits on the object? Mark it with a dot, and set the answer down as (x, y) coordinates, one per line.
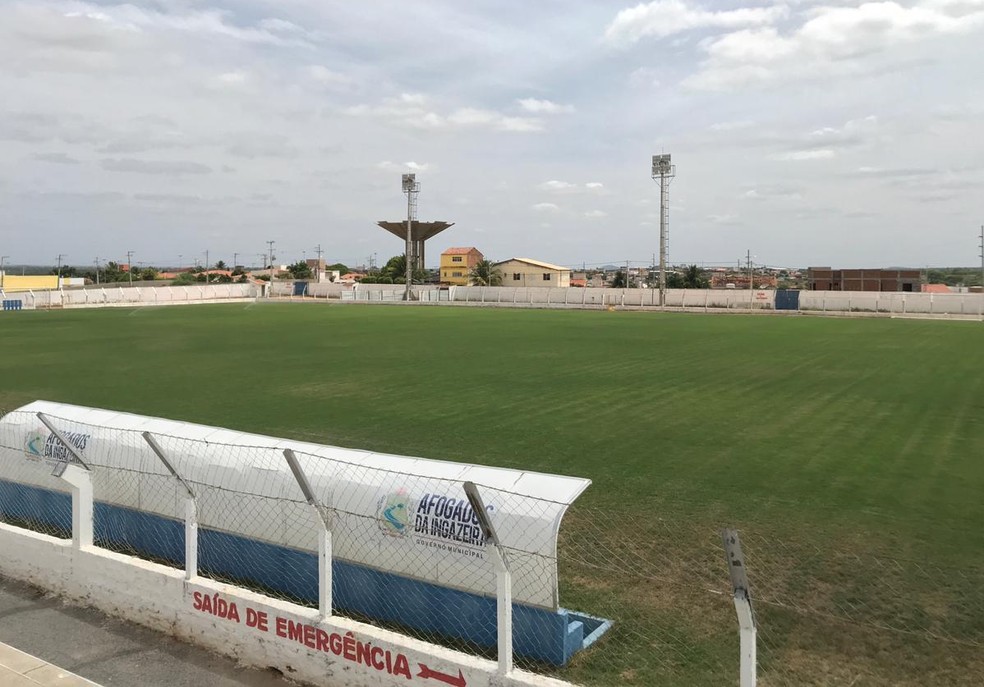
(394, 513)
(41, 445)
(435, 516)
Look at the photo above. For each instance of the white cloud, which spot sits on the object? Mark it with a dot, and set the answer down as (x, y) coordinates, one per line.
(327, 77)
(233, 77)
(546, 207)
(723, 219)
(555, 185)
(519, 124)
(57, 158)
(730, 126)
(411, 166)
(830, 41)
(663, 18)
(644, 77)
(543, 106)
(808, 154)
(413, 110)
(165, 167)
(595, 214)
(205, 22)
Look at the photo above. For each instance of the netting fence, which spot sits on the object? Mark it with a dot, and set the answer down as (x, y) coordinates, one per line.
(621, 600)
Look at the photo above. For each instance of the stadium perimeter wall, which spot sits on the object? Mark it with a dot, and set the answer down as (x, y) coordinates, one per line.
(826, 302)
(831, 302)
(111, 296)
(334, 651)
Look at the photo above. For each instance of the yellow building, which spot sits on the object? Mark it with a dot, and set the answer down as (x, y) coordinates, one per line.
(457, 264)
(11, 283)
(527, 272)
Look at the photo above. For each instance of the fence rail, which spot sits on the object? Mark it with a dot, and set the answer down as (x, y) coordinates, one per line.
(653, 599)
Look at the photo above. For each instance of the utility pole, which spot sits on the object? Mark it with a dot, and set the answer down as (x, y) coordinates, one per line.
(3, 259)
(748, 257)
(626, 274)
(270, 292)
(235, 260)
(206, 265)
(129, 265)
(97, 271)
(60, 256)
(180, 261)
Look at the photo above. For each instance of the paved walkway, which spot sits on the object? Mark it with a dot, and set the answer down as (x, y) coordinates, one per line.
(110, 652)
(18, 669)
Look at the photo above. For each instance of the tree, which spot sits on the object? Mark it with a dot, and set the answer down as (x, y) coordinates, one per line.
(619, 281)
(485, 273)
(675, 280)
(396, 269)
(693, 278)
(220, 265)
(184, 279)
(300, 270)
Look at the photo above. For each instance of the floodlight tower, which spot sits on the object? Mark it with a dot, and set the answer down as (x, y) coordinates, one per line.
(663, 173)
(411, 187)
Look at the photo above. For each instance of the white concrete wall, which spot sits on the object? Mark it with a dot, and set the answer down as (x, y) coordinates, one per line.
(892, 302)
(146, 295)
(335, 651)
(689, 298)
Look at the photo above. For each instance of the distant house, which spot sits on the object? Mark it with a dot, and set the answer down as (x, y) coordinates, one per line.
(528, 272)
(893, 279)
(936, 288)
(457, 264)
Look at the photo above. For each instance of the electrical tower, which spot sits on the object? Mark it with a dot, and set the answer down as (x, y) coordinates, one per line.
(663, 173)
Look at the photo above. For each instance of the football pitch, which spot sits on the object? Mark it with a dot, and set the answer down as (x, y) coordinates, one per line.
(855, 436)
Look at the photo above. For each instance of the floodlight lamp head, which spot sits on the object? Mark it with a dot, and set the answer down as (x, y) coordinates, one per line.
(661, 164)
(409, 182)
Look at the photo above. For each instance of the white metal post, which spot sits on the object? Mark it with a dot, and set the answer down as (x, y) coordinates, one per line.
(503, 589)
(81, 482)
(743, 608)
(324, 536)
(191, 538)
(191, 509)
(77, 475)
(747, 641)
(324, 573)
(503, 580)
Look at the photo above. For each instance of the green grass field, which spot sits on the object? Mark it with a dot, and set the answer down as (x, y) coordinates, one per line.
(847, 435)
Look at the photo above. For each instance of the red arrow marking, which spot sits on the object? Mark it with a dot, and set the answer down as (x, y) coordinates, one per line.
(431, 674)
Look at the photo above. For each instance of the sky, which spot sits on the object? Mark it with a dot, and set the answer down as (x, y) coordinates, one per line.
(808, 133)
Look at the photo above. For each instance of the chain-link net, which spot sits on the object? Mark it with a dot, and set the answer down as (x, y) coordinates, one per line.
(839, 613)
(616, 599)
(665, 589)
(407, 554)
(30, 495)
